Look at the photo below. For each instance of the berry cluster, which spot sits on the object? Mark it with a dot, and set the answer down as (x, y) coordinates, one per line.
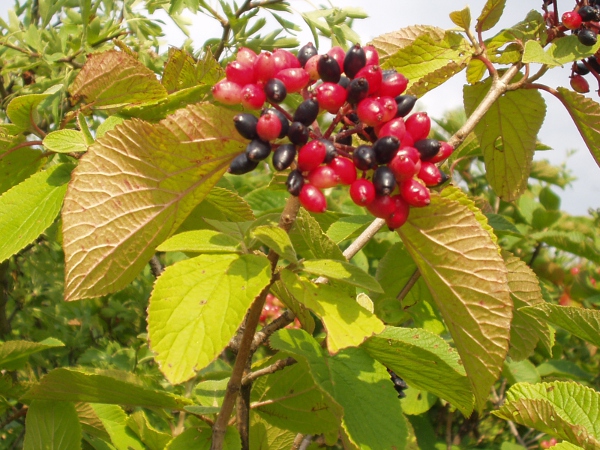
(399, 384)
(583, 21)
(582, 68)
(272, 310)
(396, 161)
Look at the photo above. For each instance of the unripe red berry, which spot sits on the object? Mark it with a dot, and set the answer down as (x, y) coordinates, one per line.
(311, 155)
(239, 73)
(430, 174)
(253, 96)
(370, 111)
(227, 92)
(323, 177)
(389, 108)
(362, 192)
(572, 20)
(403, 167)
(264, 67)
(344, 169)
(374, 76)
(382, 206)
(268, 127)
(579, 84)
(294, 79)
(415, 193)
(246, 56)
(444, 152)
(395, 127)
(312, 199)
(311, 68)
(418, 125)
(371, 55)
(400, 214)
(393, 84)
(331, 96)
(284, 59)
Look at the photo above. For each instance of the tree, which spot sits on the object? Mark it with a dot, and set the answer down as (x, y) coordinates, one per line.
(261, 333)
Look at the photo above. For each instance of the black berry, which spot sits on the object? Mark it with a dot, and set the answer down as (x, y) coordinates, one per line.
(357, 91)
(588, 13)
(284, 156)
(364, 157)
(245, 124)
(241, 165)
(329, 69)
(346, 140)
(330, 151)
(594, 64)
(580, 68)
(307, 112)
(428, 148)
(298, 133)
(294, 182)
(355, 60)
(344, 82)
(587, 37)
(275, 90)
(385, 149)
(405, 104)
(258, 150)
(306, 52)
(384, 180)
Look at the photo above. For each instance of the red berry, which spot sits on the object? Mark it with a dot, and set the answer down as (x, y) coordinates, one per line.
(362, 192)
(415, 193)
(393, 84)
(580, 84)
(430, 174)
(331, 96)
(323, 177)
(246, 56)
(268, 127)
(311, 67)
(389, 108)
(370, 111)
(338, 54)
(312, 199)
(253, 96)
(227, 92)
(382, 206)
(344, 169)
(294, 79)
(400, 214)
(407, 141)
(572, 20)
(444, 152)
(374, 76)
(418, 125)
(264, 67)
(239, 73)
(311, 155)
(403, 167)
(395, 127)
(284, 60)
(371, 55)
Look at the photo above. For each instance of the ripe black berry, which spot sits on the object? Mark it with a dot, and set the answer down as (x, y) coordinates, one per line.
(294, 182)
(329, 69)
(241, 165)
(344, 82)
(345, 140)
(384, 181)
(330, 150)
(306, 52)
(385, 149)
(298, 133)
(245, 124)
(258, 150)
(284, 156)
(357, 91)
(285, 124)
(588, 13)
(428, 148)
(587, 37)
(580, 68)
(405, 104)
(275, 90)
(355, 60)
(307, 112)
(364, 157)
(594, 64)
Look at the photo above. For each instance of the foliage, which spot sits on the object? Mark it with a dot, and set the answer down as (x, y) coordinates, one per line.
(133, 270)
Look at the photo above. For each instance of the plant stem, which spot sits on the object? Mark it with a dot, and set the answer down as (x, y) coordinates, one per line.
(275, 367)
(244, 354)
(409, 285)
(364, 238)
(280, 322)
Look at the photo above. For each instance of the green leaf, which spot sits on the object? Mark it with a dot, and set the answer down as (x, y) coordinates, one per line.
(521, 371)
(583, 323)
(151, 437)
(348, 227)
(476, 70)
(231, 205)
(264, 435)
(526, 330)
(434, 79)
(490, 15)
(389, 43)
(29, 208)
(200, 438)
(114, 420)
(14, 354)
(461, 18)
(277, 240)
(564, 369)
(52, 425)
(507, 134)
(112, 79)
(109, 124)
(341, 271)
(305, 317)
(22, 110)
(291, 400)
(347, 323)
(353, 379)
(427, 54)
(74, 386)
(417, 402)
(468, 281)
(200, 241)
(456, 194)
(566, 410)
(570, 241)
(180, 71)
(17, 166)
(321, 246)
(501, 224)
(549, 199)
(140, 181)
(197, 306)
(560, 51)
(585, 112)
(65, 141)
(425, 361)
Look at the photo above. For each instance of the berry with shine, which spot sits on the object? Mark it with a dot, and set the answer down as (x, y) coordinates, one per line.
(331, 96)
(257, 150)
(357, 90)
(241, 164)
(384, 180)
(284, 156)
(393, 84)
(370, 111)
(311, 155)
(253, 96)
(344, 169)
(362, 192)
(415, 193)
(329, 69)
(246, 56)
(298, 133)
(587, 37)
(285, 124)
(227, 92)
(374, 76)
(364, 157)
(245, 124)
(579, 84)
(588, 14)
(572, 20)
(418, 125)
(294, 79)
(294, 182)
(395, 127)
(428, 148)
(264, 67)
(382, 206)
(323, 177)
(354, 60)
(400, 214)
(239, 73)
(330, 151)
(275, 90)
(430, 174)
(385, 148)
(306, 52)
(268, 127)
(307, 112)
(312, 199)
(405, 104)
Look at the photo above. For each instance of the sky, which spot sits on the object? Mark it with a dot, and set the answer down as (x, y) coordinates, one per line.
(385, 16)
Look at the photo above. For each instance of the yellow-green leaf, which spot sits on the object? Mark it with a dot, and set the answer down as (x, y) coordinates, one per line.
(492, 11)
(52, 425)
(560, 51)
(277, 240)
(200, 241)
(23, 110)
(341, 271)
(389, 43)
(65, 141)
(461, 18)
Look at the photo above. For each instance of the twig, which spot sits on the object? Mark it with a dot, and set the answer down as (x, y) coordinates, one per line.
(21, 145)
(449, 417)
(280, 322)
(275, 367)
(305, 442)
(364, 238)
(409, 285)
(20, 413)
(515, 433)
